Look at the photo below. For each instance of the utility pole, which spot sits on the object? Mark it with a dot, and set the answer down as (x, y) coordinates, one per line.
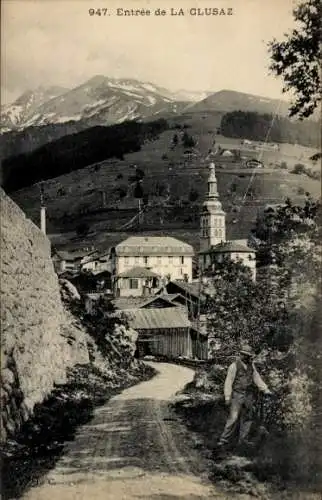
(42, 209)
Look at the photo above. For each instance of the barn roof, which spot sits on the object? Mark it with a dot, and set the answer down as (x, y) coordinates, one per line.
(188, 288)
(157, 319)
(138, 302)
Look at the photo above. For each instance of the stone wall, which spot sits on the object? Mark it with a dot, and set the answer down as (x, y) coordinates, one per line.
(39, 340)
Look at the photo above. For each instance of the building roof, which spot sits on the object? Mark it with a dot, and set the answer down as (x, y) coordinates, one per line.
(157, 319)
(230, 246)
(99, 272)
(153, 245)
(188, 288)
(72, 256)
(138, 302)
(138, 272)
(171, 296)
(227, 152)
(155, 298)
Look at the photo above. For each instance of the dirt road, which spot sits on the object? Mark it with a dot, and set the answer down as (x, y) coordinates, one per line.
(132, 449)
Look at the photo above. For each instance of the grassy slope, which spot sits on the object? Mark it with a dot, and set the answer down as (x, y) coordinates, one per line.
(82, 188)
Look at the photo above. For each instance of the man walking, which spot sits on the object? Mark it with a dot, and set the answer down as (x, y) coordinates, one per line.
(241, 378)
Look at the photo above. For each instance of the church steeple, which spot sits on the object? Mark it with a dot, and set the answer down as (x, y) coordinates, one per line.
(212, 183)
(212, 220)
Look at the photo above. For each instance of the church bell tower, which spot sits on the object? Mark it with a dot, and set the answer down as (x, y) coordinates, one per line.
(212, 219)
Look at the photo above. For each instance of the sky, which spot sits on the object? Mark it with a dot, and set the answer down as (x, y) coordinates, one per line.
(57, 42)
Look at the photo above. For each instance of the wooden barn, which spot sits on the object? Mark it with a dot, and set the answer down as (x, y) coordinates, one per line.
(190, 295)
(162, 331)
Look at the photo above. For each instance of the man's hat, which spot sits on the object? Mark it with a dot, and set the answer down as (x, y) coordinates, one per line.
(247, 350)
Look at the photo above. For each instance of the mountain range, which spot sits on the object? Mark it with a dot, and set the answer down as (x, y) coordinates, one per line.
(105, 101)
(98, 101)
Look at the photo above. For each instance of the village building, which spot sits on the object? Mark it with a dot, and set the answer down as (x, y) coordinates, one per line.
(87, 259)
(167, 257)
(136, 282)
(214, 247)
(188, 294)
(161, 331)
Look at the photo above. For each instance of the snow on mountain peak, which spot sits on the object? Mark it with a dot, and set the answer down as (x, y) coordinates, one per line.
(101, 99)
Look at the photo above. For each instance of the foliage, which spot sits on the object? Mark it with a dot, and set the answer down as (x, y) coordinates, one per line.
(254, 126)
(175, 139)
(112, 334)
(121, 191)
(298, 57)
(297, 405)
(240, 309)
(281, 223)
(138, 190)
(82, 229)
(187, 140)
(138, 175)
(77, 151)
(299, 168)
(193, 195)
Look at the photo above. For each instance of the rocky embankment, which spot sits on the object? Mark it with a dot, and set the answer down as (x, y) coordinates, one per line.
(38, 343)
(56, 364)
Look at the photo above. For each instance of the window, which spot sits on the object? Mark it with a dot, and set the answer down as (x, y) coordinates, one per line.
(134, 284)
(145, 260)
(137, 260)
(182, 260)
(159, 260)
(170, 259)
(126, 260)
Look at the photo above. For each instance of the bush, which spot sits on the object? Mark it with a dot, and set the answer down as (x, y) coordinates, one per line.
(188, 141)
(193, 195)
(82, 229)
(299, 168)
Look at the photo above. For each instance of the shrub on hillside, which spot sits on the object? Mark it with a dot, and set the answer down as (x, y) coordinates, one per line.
(82, 229)
(188, 141)
(299, 168)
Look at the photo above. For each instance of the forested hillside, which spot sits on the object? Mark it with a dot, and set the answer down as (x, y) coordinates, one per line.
(255, 126)
(77, 151)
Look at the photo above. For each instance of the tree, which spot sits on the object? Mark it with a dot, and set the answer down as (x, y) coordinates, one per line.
(138, 190)
(193, 195)
(175, 140)
(297, 58)
(82, 229)
(299, 168)
(121, 191)
(237, 309)
(188, 141)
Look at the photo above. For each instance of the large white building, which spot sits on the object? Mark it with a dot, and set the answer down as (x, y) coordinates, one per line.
(213, 245)
(167, 257)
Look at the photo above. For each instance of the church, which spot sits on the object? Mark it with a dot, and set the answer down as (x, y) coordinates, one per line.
(213, 244)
